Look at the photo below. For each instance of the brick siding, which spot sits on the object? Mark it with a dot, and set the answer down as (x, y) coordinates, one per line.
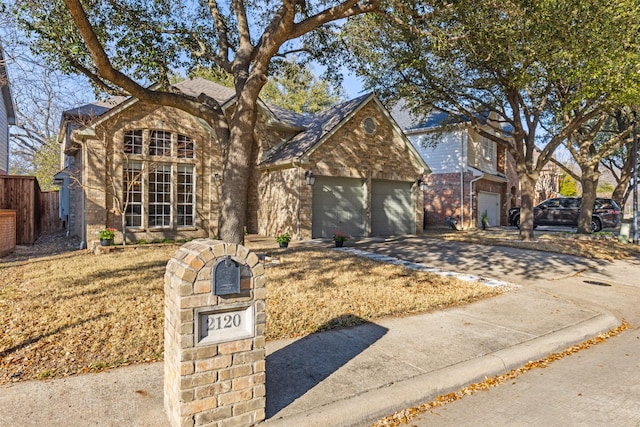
(349, 152)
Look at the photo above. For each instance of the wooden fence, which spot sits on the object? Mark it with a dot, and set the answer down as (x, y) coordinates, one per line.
(49, 215)
(36, 211)
(7, 231)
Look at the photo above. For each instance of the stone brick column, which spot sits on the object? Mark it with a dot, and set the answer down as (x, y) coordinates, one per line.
(214, 351)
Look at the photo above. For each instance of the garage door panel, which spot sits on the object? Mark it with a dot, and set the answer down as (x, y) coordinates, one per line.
(489, 202)
(338, 205)
(392, 208)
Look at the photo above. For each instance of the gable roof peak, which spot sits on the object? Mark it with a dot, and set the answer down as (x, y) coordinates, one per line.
(319, 126)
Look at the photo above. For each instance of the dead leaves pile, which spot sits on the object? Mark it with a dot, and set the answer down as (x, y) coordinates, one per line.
(404, 416)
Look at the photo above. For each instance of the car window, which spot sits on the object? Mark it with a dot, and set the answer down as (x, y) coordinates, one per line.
(553, 203)
(571, 203)
(602, 204)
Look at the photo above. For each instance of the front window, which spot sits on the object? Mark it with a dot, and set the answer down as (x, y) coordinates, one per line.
(185, 147)
(133, 187)
(133, 142)
(488, 149)
(160, 196)
(186, 195)
(160, 143)
(159, 192)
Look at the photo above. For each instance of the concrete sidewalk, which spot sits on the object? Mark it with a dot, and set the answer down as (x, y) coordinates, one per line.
(355, 376)
(349, 377)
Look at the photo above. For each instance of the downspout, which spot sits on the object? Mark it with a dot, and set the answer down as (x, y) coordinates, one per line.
(463, 138)
(299, 207)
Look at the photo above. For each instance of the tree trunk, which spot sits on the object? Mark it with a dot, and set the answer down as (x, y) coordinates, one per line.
(527, 190)
(589, 182)
(237, 171)
(621, 192)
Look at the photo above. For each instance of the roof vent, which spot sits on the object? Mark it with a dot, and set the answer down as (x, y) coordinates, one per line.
(369, 126)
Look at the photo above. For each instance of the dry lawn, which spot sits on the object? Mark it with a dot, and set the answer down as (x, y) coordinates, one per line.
(603, 245)
(314, 290)
(77, 312)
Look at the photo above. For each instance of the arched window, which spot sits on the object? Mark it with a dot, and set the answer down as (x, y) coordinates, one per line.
(159, 183)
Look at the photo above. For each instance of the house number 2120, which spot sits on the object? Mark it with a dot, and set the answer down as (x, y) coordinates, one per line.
(224, 321)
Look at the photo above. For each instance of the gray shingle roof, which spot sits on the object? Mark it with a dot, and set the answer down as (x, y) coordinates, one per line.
(224, 94)
(318, 126)
(195, 87)
(94, 109)
(314, 126)
(192, 87)
(409, 121)
(290, 117)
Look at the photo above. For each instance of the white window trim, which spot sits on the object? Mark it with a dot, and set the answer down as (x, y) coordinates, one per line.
(193, 196)
(489, 149)
(171, 199)
(174, 162)
(143, 185)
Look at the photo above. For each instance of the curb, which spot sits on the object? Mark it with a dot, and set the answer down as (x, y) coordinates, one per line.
(372, 405)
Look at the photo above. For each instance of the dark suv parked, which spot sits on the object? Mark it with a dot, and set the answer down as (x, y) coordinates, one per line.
(564, 211)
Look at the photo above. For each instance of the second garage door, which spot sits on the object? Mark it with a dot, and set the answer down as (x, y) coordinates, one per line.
(339, 204)
(490, 203)
(392, 208)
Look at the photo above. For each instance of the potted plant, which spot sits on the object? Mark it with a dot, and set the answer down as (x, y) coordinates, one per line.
(484, 219)
(106, 236)
(340, 237)
(283, 239)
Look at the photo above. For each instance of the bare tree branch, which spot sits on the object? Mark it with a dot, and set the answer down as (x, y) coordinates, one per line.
(105, 69)
(223, 34)
(343, 10)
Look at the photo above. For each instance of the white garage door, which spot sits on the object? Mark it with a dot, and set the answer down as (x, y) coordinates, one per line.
(489, 202)
(392, 208)
(339, 204)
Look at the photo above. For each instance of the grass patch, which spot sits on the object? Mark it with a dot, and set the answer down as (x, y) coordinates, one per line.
(314, 290)
(602, 245)
(77, 312)
(72, 311)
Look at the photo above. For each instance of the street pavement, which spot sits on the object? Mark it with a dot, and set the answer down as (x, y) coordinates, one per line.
(352, 377)
(598, 386)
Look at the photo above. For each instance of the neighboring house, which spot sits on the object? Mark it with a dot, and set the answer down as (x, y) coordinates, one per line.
(170, 165)
(548, 184)
(471, 174)
(7, 115)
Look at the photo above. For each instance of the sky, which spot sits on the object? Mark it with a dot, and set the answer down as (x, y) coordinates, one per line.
(352, 85)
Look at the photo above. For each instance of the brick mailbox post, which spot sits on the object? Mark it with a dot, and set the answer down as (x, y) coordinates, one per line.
(214, 345)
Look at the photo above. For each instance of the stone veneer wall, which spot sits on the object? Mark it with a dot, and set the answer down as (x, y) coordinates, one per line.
(101, 176)
(219, 384)
(283, 189)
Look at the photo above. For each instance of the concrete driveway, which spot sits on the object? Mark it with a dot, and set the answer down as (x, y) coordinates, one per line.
(594, 387)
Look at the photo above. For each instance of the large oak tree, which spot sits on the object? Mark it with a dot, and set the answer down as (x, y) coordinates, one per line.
(124, 45)
(545, 67)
